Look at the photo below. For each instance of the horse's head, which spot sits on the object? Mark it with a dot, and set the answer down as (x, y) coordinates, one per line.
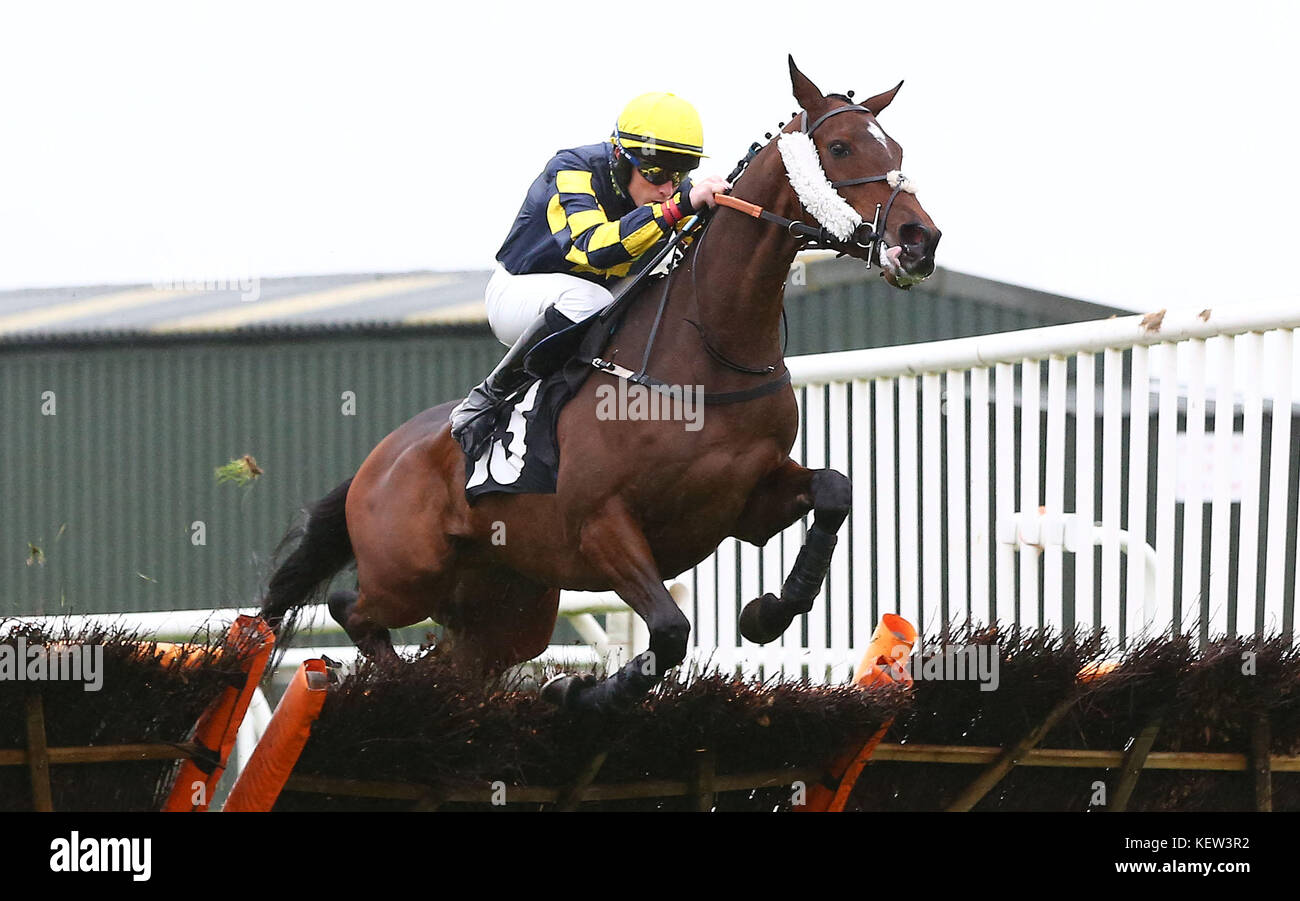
(862, 198)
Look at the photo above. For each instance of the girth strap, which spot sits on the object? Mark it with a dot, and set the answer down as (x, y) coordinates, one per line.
(711, 398)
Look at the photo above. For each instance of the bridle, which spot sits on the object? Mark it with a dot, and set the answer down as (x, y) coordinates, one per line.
(875, 233)
(865, 236)
(869, 236)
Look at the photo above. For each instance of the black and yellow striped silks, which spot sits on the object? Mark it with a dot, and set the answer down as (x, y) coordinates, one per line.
(576, 220)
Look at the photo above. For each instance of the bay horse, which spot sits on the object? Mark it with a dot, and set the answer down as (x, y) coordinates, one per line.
(637, 501)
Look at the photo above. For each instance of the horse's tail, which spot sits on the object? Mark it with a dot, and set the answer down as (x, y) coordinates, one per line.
(323, 549)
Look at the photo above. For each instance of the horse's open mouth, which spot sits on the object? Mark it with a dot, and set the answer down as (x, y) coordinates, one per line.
(893, 271)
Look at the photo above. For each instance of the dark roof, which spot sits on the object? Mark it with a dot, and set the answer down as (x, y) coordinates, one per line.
(379, 305)
(225, 305)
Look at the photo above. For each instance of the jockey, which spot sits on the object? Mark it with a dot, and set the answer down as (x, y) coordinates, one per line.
(589, 219)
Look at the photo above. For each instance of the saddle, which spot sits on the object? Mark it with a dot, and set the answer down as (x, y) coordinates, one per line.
(522, 455)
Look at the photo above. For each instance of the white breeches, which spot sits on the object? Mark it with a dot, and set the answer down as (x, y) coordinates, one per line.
(515, 301)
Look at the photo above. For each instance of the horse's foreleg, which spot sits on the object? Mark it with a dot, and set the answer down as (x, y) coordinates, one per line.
(616, 547)
(778, 502)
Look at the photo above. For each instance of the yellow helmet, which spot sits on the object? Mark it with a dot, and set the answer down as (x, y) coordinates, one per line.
(662, 129)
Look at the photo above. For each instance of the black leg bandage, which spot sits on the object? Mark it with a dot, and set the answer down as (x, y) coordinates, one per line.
(810, 568)
(620, 691)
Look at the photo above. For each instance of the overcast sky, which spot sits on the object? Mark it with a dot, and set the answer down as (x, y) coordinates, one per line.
(1135, 153)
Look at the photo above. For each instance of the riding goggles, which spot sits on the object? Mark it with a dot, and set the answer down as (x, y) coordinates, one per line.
(657, 175)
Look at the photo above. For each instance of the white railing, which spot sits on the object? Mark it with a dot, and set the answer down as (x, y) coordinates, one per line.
(952, 522)
(1188, 527)
(317, 628)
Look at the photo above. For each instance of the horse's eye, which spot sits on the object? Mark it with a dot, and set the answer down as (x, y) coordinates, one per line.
(840, 149)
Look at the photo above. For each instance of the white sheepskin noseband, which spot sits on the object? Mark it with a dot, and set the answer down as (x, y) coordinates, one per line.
(815, 191)
(804, 168)
(900, 181)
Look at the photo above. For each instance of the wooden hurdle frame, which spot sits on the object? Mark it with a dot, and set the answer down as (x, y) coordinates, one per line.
(203, 758)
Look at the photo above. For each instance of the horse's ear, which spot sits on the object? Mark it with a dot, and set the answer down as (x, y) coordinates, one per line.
(880, 101)
(807, 93)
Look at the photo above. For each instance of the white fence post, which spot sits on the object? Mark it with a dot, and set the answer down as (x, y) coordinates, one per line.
(894, 539)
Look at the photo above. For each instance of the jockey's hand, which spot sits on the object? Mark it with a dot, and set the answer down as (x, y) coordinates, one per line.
(702, 191)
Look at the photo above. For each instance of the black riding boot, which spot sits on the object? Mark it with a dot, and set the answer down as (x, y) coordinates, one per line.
(473, 420)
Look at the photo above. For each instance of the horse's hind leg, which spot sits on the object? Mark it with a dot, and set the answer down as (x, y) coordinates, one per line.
(372, 639)
(778, 502)
(497, 620)
(613, 543)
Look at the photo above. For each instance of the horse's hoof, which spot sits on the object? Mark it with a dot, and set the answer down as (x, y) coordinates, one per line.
(563, 689)
(754, 626)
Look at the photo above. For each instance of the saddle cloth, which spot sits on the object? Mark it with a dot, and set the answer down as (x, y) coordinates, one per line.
(523, 454)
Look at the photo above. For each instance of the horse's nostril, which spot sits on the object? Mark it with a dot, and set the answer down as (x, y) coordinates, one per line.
(914, 235)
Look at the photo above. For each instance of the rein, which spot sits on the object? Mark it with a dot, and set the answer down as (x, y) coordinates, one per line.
(863, 235)
(699, 327)
(709, 398)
